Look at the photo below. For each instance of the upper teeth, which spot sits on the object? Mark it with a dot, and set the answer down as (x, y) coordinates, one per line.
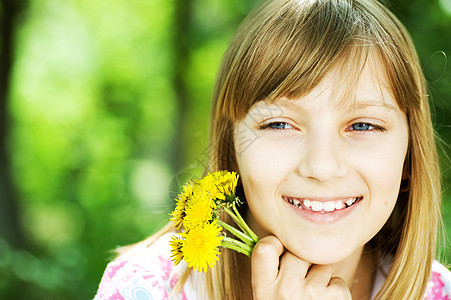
(322, 206)
(295, 202)
(317, 206)
(350, 201)
(329, 206)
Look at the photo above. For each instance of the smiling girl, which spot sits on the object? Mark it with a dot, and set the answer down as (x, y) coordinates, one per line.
(321, 107)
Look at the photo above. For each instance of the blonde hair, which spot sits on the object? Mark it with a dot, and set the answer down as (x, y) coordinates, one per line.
(283, 49)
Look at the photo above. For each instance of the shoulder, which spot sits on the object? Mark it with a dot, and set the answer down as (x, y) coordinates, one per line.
(439, 285)
(145, 272)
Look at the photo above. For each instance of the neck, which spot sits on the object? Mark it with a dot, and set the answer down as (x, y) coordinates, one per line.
(364, 276)
(357, 271)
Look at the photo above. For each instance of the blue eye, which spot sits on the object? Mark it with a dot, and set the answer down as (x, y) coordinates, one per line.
(362, 126)
(276, 125)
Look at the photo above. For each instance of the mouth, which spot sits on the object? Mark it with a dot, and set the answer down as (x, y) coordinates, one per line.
(323, 206)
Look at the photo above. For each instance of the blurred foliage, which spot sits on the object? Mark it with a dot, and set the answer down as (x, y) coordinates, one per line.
(93, 109)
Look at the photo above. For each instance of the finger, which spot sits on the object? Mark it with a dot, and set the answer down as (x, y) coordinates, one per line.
(338, 289)
(319, 274)
(265, 261)
(317, 279)
(293, 266)
(292, 272)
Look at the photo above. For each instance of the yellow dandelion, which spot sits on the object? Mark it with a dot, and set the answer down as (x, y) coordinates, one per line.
(180, 210)
(226, 182)
(201, 192)
(208, 184)
(199, 209)
(176, 244)
(219, 184)
(201, 246)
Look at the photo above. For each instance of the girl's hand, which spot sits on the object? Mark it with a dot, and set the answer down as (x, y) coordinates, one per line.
(282, 275)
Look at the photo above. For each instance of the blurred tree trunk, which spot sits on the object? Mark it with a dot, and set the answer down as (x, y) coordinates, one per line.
(181, 45)
(10, 228)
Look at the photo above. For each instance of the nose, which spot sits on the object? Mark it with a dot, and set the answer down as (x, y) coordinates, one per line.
(323, 158)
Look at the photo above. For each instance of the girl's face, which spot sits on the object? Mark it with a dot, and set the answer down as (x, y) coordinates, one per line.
(320, 173)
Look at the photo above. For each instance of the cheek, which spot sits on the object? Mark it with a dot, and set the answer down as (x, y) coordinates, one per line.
(389, 176)
(386, 178)
(262, 169)
(266, 164)
(383, 174)
(256, 171)
(382, 163)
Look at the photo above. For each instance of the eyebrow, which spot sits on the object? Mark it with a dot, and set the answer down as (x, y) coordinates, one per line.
(362, 105)
(286, 103)
(349, 105)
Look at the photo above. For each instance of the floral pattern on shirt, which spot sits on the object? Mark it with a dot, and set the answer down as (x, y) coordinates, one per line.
(439, 286)
(149, 274)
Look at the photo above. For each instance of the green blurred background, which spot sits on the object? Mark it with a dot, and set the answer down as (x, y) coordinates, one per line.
(104, 111)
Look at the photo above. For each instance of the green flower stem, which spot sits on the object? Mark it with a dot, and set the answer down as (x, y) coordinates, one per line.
(242, 236)
(241, 223)
(234, 218)
(237, 246)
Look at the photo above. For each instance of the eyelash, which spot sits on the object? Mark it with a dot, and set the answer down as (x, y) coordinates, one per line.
(374, 127)
(267, 126)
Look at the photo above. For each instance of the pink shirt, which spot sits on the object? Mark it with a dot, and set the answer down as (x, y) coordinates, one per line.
(148, 273)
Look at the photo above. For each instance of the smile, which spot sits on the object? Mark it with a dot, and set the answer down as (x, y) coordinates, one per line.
(323, 206)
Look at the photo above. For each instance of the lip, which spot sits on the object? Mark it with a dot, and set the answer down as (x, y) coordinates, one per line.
(324, 217)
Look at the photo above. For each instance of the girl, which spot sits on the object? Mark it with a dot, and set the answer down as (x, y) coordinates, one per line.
(321, 107)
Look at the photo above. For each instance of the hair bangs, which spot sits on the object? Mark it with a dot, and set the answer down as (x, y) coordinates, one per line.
(289, 53)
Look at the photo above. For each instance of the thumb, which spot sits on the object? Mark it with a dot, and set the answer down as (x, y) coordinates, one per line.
(265, 261)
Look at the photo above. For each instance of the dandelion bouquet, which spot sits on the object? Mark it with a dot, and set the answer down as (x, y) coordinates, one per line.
(196, 216)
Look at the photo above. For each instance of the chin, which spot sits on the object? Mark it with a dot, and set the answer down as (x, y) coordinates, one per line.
(326, 255)
(319, 259)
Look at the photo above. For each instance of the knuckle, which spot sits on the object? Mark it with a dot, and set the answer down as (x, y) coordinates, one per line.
(313, 290)
(264, 249)
(339, 293)
(338, 289)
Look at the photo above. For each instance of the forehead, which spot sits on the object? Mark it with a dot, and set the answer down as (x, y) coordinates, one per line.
(350, 85)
